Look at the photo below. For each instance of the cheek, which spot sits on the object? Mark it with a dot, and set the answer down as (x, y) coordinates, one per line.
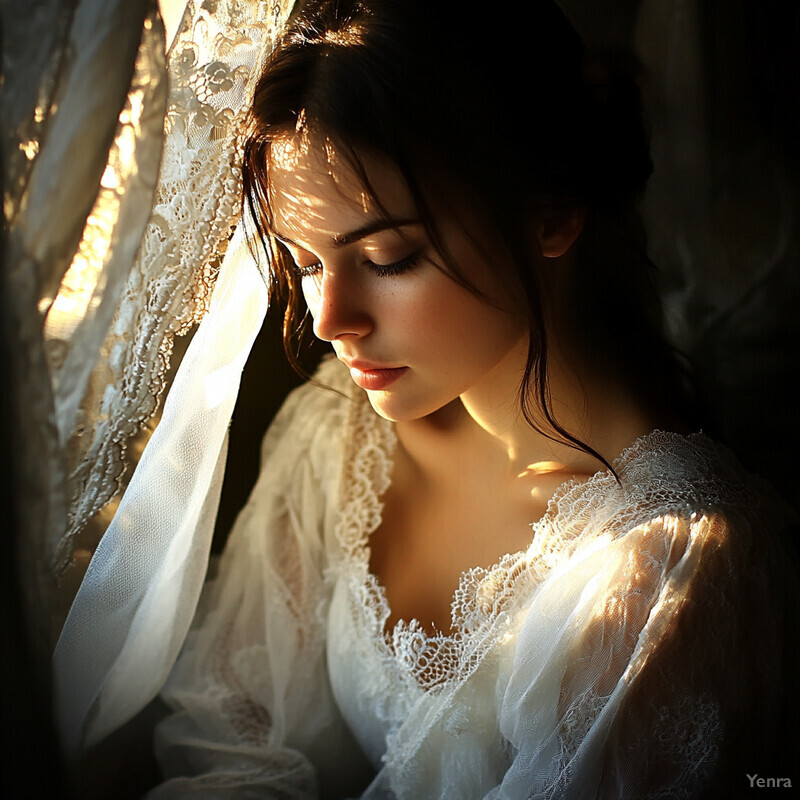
(464, 327)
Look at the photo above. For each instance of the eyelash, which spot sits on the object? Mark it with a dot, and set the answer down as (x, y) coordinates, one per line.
(381, 270)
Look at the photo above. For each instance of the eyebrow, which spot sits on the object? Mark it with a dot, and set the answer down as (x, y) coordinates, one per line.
(342, 239)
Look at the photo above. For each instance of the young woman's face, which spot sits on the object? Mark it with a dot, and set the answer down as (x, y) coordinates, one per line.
(412, 337)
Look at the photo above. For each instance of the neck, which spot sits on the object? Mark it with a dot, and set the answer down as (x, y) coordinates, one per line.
(600, 413)
(494, 405)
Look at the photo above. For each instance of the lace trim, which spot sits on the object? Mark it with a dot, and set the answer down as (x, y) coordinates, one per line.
(484, 599)
(659, 473)
(366, 475)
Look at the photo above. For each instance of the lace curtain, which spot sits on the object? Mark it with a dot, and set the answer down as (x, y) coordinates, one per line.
(68, 169)
(121, 192)
(212, 64)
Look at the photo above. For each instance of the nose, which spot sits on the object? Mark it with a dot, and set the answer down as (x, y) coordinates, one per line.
(341, 308)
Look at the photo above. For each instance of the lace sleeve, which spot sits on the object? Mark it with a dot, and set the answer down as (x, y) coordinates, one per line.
(254, 714)
(622, 686)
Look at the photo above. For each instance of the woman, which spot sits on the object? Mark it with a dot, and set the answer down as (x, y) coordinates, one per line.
(385, 622)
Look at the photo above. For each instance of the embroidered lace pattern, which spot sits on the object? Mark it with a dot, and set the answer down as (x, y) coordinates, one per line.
(213, 64)
(71, 179)
(576, 664)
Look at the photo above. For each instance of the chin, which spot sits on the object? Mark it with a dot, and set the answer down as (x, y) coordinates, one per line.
(394, 410)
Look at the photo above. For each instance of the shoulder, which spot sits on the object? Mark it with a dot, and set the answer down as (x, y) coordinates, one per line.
(664, 479)
(301, 463)
(304, 445)
(680, 566)
(666, 472)
(695, 477)
(669, 472)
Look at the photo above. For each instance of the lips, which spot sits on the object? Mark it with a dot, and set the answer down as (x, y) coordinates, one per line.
(372, 377)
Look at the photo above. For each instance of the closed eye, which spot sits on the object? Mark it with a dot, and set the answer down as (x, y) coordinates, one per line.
(382, 270)
(396, 267)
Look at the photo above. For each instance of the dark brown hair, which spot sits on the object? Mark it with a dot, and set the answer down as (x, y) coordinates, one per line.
(514, 118)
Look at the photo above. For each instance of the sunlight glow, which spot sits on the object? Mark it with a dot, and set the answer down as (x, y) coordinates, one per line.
(31, 149)
(349, 37)
(81, 288)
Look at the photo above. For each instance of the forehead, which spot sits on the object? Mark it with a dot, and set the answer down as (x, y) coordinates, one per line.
(315, 191)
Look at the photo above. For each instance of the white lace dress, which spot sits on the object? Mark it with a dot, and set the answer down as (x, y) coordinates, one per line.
(595, 664)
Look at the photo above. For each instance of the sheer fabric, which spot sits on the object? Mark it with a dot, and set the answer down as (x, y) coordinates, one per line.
(593, 664)
(120, 196)
(139, 593)
(212, 63)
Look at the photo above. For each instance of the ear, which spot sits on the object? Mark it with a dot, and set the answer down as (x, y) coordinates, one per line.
(558, 234)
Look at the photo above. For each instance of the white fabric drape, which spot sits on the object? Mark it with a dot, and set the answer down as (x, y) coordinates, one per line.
(81, 147)
(108, 255)
(213, 63)
(138, 596)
